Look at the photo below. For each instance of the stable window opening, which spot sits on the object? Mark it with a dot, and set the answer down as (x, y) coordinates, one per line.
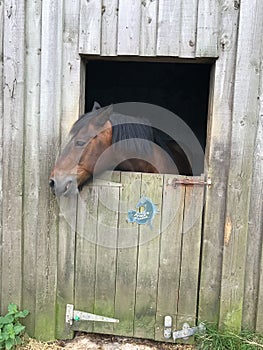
(181, 88)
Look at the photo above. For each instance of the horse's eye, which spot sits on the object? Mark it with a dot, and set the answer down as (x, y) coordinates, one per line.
(80, 143)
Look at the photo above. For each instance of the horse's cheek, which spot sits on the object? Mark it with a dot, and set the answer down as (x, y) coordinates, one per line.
(82, 175)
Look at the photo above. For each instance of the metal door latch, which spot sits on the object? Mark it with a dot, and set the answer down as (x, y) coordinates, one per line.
(75, 315)
(184, 333)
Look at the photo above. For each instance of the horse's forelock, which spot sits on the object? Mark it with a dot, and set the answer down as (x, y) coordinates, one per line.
(87, 117)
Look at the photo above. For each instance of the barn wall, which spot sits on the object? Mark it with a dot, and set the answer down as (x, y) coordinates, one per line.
(245, 118)
(149, 28)
(41, 76)
(233, 128)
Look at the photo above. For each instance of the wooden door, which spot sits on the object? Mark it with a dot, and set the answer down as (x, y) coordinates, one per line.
(138, 273)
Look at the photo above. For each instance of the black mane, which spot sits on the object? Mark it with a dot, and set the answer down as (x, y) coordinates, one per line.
(128, 133)
(132, 132)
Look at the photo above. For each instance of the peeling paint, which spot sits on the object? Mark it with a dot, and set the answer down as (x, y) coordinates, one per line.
(228, 230)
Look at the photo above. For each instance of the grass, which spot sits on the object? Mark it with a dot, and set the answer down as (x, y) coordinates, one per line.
(214, 339)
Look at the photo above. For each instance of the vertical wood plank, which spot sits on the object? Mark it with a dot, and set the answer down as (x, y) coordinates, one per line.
(217, 163)
(259, 319)
(188, 28)
(170, 254)
(191, 248)
(148, 262)
(241, 161)
(129, 27)
(90, 27)
(254, 246)
(109, 27)
(257, 194)
(31, 161)
(207, 27)
(106, 255)
(50, 109)
(168, 27)
(68, 207)
(85, 272)
(148, 29)
(126, 256)
(1, 133)
(13, 126)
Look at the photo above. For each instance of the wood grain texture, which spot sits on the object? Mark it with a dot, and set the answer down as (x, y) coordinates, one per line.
(148, 262)
(126, 269)
(190, 254)
(44, 263)
(252, 294)
(188, 26)
(106, 255)
(50, 109)
(1, 133)
(90, 27)
(148, 27)
(259, 323)
(85, 254)
(170, 254)
(109, 27)
(31, 160)
(256, 221)
(13, 140)
(217, 163)
(168, 27)
(207, 26)
(129, 27)
(70, 91)
(241, 161)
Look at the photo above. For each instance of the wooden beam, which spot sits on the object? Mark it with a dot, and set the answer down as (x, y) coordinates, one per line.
(31, 161)
(70, 94)
(50, 111)
(13, 141)
(217, 163)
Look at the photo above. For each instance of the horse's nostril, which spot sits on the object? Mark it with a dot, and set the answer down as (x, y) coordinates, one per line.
(62, 186)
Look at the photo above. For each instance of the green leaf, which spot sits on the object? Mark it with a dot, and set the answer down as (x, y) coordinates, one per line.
(18, 340)
(9, 344)
(18, 329)
(21, 314)
(7, 319)
(12, 308)
(9, 330)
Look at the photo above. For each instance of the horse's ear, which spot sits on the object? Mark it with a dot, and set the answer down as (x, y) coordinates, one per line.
(101, 118)
(96, 106)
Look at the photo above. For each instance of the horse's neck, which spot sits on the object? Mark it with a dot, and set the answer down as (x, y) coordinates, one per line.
(137, 165)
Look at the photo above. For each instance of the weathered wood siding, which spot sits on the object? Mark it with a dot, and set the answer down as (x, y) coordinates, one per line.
(138, 274)
(44, 265)
(149, 28)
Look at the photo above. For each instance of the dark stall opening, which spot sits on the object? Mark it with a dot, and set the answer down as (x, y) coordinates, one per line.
(182, 88)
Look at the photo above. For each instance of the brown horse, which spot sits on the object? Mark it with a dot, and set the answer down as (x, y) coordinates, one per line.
(105, 140)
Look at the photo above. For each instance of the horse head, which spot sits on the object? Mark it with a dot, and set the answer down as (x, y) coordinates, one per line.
(89, 137)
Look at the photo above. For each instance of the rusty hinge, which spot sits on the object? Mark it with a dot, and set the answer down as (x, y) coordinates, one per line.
(189, 181)
(184, 333)
(75, 315)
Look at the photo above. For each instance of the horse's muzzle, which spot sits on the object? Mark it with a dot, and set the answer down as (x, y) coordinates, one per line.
(64, 186)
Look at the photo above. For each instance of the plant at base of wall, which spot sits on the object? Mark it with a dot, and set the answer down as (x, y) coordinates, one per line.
(10, 327)
(214, 339)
